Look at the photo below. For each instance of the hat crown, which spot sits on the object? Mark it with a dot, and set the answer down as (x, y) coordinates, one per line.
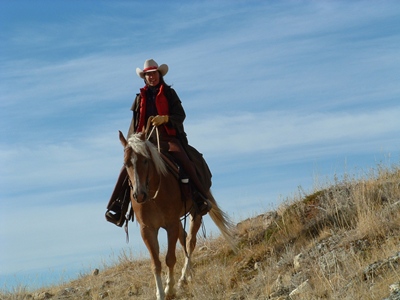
(150, 64)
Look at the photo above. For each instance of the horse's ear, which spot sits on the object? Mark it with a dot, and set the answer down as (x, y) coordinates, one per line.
(122, 139)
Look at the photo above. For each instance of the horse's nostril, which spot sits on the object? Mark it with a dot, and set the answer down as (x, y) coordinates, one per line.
(140, 197)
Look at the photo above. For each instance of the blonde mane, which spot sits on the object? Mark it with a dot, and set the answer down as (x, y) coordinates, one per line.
(147, 149)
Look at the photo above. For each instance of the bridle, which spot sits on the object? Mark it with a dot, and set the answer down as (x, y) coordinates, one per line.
(147, 178)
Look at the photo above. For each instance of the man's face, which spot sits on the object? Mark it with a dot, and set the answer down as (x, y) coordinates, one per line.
(152, 78)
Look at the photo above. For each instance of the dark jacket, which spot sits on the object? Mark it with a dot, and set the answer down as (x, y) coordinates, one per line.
(176, 114)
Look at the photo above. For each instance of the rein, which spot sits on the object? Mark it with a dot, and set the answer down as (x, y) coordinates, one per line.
(158, 148)
(158, 137)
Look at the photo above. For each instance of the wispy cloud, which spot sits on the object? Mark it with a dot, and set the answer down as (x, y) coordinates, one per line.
(269, 132)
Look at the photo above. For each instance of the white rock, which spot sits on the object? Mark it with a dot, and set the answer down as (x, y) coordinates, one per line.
(300, 292)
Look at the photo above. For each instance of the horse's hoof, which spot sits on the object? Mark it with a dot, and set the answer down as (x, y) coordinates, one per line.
(182, 283)
(170, 293)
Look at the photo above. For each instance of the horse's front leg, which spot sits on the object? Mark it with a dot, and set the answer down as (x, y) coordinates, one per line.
(170, 260)
(149, 236)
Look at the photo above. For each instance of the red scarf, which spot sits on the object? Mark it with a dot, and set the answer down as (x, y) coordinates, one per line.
(162, 109)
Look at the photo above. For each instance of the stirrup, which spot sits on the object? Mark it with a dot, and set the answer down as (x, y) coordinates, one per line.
(203, 205)
(114, 218)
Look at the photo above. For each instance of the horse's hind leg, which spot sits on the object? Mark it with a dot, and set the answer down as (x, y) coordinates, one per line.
(182, 240)
(189, 243)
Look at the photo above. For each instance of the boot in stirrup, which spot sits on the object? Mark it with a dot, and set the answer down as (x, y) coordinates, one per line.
(203, 204)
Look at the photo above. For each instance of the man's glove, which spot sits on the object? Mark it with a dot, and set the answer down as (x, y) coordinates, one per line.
(159, 120)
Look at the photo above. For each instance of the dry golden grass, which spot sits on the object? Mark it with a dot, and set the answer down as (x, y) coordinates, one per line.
(339, 242)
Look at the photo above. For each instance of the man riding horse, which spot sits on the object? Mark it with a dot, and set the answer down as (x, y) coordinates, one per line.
(158, 103)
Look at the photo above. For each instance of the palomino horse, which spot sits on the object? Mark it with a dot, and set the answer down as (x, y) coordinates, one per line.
(157, 203)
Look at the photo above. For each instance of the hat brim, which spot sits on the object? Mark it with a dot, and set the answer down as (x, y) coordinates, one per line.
(163, 69)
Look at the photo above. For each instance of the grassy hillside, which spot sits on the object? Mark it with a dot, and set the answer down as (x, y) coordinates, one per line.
(339, 242)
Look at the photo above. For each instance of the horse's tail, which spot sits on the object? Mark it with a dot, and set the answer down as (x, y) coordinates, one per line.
(224, 224)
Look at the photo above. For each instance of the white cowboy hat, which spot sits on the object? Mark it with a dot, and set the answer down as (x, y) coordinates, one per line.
(150, 66)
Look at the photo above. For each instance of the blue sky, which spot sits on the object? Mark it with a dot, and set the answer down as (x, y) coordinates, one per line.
(278, 95)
